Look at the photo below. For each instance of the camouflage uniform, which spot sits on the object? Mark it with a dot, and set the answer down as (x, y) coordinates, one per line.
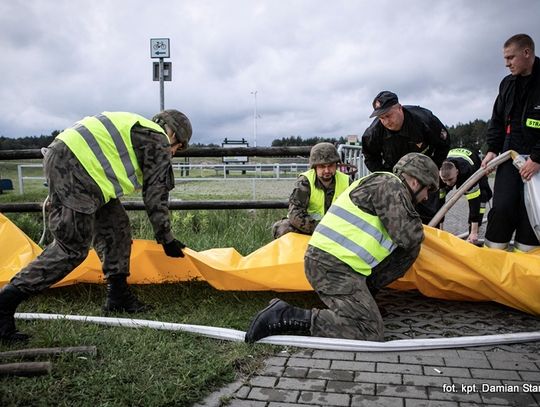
(298, 219)
(79, 218)
(352, 312)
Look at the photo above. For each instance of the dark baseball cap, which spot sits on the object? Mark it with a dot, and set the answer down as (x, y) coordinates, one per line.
(383, 102)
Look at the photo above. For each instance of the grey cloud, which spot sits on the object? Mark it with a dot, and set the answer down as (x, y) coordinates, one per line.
(316, 65)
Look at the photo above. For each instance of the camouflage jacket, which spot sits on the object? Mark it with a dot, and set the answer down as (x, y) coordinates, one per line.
(299, 202)
(78, 191)
(388, 198)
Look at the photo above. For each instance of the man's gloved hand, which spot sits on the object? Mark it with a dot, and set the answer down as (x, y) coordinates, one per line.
(174, 248)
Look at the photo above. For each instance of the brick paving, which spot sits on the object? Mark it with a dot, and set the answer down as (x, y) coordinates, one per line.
(490, 376)
(504, 375)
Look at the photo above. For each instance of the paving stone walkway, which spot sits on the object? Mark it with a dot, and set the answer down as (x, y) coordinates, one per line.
(504, 375)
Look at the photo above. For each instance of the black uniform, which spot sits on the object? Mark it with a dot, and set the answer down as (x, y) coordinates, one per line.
(514, 125)
(478, 194)
(422, 132)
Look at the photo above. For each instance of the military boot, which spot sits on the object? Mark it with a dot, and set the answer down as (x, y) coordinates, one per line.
(10, 298)
(279, 318)
(120, 298)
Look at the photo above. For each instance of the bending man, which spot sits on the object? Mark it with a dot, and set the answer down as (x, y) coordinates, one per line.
(88, 167)
(400, 129)
(457, 168)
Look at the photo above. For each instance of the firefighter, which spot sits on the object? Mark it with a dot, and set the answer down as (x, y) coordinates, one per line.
(514, 125)
(370, 237)
(314, 192)
(88, 167)
(398, 130)
(457, 168)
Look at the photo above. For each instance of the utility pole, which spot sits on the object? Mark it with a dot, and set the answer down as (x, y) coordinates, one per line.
(254, 93)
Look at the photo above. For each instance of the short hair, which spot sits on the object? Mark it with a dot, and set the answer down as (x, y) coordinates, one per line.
(446, 169)
(521, 40)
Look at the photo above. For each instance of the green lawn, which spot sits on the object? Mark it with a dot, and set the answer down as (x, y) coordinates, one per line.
(144, 367)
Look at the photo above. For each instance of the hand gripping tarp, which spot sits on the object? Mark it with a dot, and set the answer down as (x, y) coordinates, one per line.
(447, 268)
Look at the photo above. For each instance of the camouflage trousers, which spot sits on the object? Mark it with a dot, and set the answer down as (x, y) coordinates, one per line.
(352, 312)
(106, 227)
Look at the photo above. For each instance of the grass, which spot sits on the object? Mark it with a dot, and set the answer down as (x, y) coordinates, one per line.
(140, 367)
(144, 367)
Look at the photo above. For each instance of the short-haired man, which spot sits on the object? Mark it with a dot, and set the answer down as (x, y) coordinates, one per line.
(457, 168)
(400, 129)
(514, 125)
(370, 237)
(314, 192)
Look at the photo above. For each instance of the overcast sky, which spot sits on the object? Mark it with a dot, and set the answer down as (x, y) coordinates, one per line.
(316, 65)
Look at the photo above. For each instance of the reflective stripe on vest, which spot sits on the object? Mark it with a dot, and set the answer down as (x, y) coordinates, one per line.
(461, 153)
(316, 198)
(102, 144)
(355, 237)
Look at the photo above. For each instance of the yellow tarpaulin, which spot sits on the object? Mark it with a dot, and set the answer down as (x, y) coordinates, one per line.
(447, 268)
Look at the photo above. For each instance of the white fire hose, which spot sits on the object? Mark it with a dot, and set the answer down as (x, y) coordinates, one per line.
(301, 341)
(473, 179)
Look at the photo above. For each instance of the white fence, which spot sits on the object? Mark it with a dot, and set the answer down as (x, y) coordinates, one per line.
(199, 172)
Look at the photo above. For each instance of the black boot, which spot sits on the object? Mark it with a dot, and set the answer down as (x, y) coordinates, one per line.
(120, 298)
(279, 318)
(10, 298)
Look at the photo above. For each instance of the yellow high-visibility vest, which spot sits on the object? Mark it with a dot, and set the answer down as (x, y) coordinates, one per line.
(102, 144)
(316, 199)
(355, 237)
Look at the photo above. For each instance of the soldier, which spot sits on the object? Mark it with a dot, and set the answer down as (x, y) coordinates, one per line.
(314, 192)
(88, 168)
(457, 168)
(398, 130)
(370, 236)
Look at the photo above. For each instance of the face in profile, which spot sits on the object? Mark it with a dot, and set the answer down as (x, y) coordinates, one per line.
(517, 60)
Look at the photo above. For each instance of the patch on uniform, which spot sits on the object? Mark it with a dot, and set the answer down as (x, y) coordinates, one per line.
(444, 134)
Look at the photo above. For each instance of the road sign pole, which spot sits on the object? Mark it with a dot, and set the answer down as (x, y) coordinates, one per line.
(160, 48)
(161, 86)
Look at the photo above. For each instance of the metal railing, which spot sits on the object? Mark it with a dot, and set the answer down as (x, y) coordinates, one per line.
(22, 177)
(269, 172)
(278, 171)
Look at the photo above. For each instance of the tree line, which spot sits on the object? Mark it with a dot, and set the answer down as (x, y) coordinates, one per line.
(470, 135)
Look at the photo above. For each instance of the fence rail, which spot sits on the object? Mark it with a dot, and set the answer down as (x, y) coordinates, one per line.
(350, 154)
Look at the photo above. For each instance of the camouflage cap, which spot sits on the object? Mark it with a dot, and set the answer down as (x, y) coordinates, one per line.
(323, 153)
(178, 122)
(421, 167)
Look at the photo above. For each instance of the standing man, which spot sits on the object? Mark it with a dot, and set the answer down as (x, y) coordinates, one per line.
(398, 130)
(514, 125)
(88, 167)
(314, 192)
(370, 237)
(457, 168)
